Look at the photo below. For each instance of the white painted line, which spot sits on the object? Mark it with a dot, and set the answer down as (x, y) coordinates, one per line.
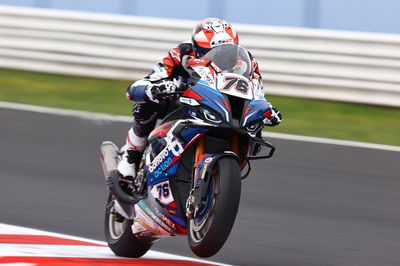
(40, 250)
(65, 112)
(332, 141)
(119, 118)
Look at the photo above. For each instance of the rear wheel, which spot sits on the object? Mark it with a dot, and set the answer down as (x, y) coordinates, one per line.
(119, 236)
(208, 232)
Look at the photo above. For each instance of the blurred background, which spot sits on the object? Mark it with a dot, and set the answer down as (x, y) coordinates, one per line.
(328, 64)
(332, 67)
(324, 62)
(354, 15)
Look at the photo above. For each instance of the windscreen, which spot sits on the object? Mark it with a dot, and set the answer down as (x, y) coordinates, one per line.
(231, 58)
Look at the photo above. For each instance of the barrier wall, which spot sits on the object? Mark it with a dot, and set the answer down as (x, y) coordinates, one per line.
(342, 66)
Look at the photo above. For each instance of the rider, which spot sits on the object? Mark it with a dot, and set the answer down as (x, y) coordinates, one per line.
(165, 77)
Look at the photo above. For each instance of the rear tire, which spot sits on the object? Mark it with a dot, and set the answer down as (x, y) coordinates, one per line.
(119, 235)
(208, 232)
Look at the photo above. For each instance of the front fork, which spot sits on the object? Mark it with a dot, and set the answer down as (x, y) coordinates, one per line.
(201, 147)
(198, 189)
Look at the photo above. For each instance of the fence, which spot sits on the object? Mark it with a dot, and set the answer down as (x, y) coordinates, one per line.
(341, 66)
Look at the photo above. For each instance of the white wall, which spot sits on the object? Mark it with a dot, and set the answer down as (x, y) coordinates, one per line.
(319, 64)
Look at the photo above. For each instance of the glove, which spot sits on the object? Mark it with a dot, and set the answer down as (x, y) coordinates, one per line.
(275, 118)
(160, 90)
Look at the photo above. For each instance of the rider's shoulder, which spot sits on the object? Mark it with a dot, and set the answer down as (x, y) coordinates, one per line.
(185, 47)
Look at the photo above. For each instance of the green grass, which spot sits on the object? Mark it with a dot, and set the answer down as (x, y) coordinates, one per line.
(69, 92)
(301, 116)
(339, 120)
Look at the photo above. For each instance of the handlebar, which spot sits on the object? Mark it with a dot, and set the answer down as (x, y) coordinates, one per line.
(177, 92)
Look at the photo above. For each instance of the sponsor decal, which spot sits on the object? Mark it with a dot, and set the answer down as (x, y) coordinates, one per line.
(216, 68)
(164, 165)
(173, 146)
(162, 192)
(205, 74)
(188, 101)
(208, 160)
(175, 54)
(164, 218)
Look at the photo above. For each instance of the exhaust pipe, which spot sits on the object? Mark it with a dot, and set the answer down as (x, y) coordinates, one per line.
(109, 158)
(109, 163)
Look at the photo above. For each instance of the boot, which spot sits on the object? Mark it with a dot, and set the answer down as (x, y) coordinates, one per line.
(129, 164)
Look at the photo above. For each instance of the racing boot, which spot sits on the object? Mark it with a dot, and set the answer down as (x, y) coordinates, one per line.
(128, 168)
(129, 164)
(131, 157)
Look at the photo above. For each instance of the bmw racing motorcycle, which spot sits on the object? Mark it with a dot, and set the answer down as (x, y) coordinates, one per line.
(189, 180)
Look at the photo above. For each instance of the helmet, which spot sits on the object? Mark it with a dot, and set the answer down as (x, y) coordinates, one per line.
(212, 32)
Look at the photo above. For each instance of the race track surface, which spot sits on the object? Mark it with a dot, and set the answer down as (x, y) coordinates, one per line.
(312, 204)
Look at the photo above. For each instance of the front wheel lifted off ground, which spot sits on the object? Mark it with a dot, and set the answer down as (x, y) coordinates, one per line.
(208, 232)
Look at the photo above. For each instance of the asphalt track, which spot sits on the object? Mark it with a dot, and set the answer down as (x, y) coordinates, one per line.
(312, 204)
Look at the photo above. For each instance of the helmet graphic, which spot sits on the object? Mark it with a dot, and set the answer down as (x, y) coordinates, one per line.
(212, 32)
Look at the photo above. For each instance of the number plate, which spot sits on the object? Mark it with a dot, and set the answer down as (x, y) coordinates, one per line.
(235, 85)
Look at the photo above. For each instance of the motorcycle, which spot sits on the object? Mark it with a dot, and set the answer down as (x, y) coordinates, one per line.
(189, 180)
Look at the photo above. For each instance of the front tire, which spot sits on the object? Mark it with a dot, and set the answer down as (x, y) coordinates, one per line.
(208, 232)
(119, 236)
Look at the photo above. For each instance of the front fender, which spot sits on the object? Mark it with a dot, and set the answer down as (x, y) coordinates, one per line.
(203, 170)
(206, 162)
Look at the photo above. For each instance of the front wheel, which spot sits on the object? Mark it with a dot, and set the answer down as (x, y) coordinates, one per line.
(208, 232)
(119, 236)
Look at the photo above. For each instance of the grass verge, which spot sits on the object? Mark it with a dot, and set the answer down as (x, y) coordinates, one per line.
(301, 116)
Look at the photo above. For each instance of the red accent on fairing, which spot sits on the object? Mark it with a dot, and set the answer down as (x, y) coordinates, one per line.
(65, 261)
(161, 130)
(193, 140)
(180, 229)
(247, 110)
(201, 157)
(43, 240)
(172, 205)
(212, 71)
(191, 94)
(227, 106)
(267, 113)
(197, 62)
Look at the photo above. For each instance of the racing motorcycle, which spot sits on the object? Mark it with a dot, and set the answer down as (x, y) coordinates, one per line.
(189, 180)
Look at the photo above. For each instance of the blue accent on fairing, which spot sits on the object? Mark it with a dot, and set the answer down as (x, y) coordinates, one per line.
(138, 93)
(173, 168)
(188, 133)
(177, 219)
(259, 107)
(212, 98)
(153, 180)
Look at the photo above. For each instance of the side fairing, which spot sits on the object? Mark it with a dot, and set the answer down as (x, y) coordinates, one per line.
(211, 98)
(255, 110)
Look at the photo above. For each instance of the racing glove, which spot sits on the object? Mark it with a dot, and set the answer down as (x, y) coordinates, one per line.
(161, 89)
(275, 118)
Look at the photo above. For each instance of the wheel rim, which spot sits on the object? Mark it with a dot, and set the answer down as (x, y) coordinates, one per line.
(116, 228)
(200, 225)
